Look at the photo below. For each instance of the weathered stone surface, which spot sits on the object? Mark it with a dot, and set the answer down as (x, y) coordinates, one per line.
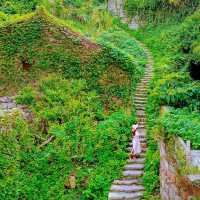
(127, 188)
(172, 184)
(133, 173)
(125, 195)
(8, 105)
(128, 181)
(138, 160)
(5, 99)
(134, 166)
(140, 113)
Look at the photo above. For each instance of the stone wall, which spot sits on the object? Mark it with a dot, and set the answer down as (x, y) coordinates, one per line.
(173, 186)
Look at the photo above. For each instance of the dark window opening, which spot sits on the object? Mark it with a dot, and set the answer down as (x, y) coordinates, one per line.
(194, 69)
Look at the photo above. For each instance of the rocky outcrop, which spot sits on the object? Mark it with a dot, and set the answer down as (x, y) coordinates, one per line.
(8, 105)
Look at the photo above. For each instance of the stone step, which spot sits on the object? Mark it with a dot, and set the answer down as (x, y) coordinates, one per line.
(147, 77)
(141, 132)
(126, 188)
(141, 126)
(142, 123)
(141, 88)
(136, 181)
(130, 148)
(140, 102)
(141, 98)
(141, 95)
(141, 116)
(141, 91)
(141, 119)
(134, 166)
(149, 65)
(144, 78)
(125, 196)
(143, 83)
(132, 173)
(140, 107)
(147, 74)
(137, 160)
(149, 71)
(138, 93)
(141, 113)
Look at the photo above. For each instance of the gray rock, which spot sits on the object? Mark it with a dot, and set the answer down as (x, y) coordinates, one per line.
(127, 188)
(125, 195)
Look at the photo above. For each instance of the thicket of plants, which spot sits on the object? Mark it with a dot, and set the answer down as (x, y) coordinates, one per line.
(86, 143)
(172, 34)
(160, 10)
(80, 95)
(18, 7)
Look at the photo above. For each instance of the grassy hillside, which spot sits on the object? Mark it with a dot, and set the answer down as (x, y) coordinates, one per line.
(80, 95)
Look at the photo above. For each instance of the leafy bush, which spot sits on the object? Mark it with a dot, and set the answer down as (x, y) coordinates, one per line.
(93, 150)
(86, 116)
(173, 39)
(156, 11)
(183, 123)
(18, 7)
(26, 97)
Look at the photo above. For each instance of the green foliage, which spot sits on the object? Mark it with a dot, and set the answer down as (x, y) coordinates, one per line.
(189, 36)
(151, 175)
(27, 96)
(176, 89)
(94, 150)
(172, 42)
(82, 105)
(125, 43)
(183, 123)
(160, 10)
(18, 7)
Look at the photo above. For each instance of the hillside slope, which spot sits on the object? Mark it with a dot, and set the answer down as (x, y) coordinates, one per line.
(79, 94)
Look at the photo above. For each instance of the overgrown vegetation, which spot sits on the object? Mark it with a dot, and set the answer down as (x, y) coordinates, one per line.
(171, 32)
(80, 95)
(80, 92)
(86, 143)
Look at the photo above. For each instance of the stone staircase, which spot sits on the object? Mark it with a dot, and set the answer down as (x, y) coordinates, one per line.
(130, 186)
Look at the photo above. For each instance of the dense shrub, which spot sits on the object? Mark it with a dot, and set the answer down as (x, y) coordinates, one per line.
(18, 7)
(172, 35)
(160, 10)
(183, 123)
(83, 109)
(94, 150)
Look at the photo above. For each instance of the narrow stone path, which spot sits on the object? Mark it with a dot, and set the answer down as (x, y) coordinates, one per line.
(130, 186)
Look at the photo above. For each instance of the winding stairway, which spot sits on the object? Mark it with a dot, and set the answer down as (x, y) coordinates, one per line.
(130, 186)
